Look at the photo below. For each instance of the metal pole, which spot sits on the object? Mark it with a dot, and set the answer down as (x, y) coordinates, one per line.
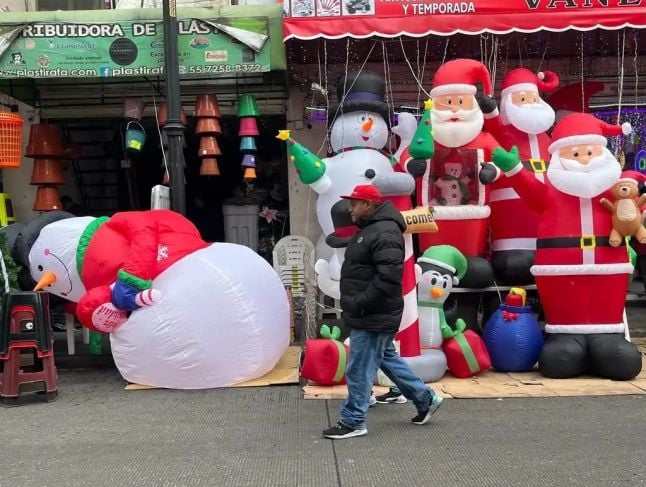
(174, 128)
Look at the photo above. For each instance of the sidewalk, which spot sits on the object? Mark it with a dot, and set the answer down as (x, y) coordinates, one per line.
(98, 434)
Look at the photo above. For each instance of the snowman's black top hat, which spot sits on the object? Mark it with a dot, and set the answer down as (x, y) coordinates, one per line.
(344, 229)
(364, 92)
(25, 240)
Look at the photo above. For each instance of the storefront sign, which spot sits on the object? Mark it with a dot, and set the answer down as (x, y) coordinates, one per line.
(121, 49)
(308, 19)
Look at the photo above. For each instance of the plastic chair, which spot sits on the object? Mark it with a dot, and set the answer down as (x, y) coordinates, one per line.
(324, 309)
(292, 256)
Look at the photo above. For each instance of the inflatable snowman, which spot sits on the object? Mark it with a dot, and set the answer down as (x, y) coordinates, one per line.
(181, 313)
(359, 130)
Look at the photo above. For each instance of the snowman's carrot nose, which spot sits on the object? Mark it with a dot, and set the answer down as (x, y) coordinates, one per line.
(367, 125)
(436, 292)
(48, 278)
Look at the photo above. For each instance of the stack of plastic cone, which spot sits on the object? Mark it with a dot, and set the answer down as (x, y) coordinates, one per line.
(207, 111)
(46, 147)
(247, 113)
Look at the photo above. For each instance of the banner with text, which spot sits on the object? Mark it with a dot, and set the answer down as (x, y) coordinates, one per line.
(129, 48)
(333, 19)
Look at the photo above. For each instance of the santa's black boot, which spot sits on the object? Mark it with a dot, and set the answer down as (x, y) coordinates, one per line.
(564, 356)
(479, 273)
(512, 267)
(613, 357)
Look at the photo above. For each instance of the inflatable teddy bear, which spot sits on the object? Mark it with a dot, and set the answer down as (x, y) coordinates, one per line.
(626, 210)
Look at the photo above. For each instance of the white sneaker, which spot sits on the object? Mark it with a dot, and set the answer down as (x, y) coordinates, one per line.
(372, 401)
(391, 398)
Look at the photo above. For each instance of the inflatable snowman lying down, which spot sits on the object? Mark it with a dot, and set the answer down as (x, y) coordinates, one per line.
(181, 313)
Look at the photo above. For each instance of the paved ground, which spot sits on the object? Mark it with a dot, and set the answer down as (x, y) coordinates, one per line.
(98, 434)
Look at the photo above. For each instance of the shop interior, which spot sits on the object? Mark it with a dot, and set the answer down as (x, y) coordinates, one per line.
(103, 175)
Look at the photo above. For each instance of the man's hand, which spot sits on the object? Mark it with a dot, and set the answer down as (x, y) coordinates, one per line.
(487, 104)
(505, 161)
(488, 173)
(416, 167)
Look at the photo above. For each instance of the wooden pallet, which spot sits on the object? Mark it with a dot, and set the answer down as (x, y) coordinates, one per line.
(285, 372)
(493, 384)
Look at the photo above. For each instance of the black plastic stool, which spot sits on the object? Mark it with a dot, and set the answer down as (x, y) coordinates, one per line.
(25, 318)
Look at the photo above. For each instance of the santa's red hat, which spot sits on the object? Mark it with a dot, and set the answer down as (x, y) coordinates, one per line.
(632, 177)
(575, 97)
(461, 76)
(522, 79)
(583, 128)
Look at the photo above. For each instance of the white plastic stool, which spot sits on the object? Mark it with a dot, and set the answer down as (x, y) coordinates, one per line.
(70, 323)
(69, 330)
(324, 310)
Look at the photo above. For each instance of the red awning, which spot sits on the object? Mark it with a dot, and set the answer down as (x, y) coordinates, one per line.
(333, 19)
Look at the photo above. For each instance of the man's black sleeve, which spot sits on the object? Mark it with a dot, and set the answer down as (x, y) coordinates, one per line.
(388, 258)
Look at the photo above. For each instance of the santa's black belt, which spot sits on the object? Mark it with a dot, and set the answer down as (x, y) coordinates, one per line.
(535, 165)
(584, 242)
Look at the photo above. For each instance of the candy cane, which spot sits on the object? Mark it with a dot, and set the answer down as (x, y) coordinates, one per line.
(408, 335)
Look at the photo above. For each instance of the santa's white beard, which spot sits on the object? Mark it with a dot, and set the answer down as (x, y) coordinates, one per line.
(534, 118)
(456, 134)
(587, 181)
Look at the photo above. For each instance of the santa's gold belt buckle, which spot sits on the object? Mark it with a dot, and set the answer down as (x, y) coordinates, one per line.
(588, 242)
(538, 165)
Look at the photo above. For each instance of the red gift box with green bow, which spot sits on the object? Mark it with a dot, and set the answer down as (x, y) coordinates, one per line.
(323, 360)
(466, 353)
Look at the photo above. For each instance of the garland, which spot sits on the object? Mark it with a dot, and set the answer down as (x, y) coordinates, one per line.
(8, 268)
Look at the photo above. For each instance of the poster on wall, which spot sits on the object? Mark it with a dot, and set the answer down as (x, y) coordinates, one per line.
(131, 48)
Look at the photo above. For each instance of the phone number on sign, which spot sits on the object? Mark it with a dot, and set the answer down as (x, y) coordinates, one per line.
(223, 68)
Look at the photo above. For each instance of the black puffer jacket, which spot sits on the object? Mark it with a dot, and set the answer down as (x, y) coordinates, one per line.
(371, 290)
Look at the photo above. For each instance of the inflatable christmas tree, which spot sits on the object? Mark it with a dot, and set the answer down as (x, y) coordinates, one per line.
(422, 146)
(309, 166)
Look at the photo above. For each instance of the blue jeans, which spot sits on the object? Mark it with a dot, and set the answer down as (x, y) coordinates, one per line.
(369, 352)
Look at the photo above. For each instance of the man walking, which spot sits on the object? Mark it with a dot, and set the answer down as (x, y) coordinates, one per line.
(371, 298)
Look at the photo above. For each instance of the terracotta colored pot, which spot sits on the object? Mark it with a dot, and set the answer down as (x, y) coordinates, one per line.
(208, 125)
(45, 139)
(162, 114)
(209, 147)
(47, 199)
(209, 167)
(206, 105)
(47, 171)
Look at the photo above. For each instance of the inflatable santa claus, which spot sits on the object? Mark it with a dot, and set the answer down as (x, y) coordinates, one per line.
(450, 183)
(522, 121)
(574, 98)
(582, 280)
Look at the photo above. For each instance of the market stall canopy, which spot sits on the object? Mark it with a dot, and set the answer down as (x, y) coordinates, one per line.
(333, 19)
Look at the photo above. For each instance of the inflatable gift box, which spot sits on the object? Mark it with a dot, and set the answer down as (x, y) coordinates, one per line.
(466, 354)
(512, 335)
(324, 359)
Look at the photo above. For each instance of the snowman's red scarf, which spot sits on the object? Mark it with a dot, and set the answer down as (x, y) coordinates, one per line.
(84, 242)
(381, 151)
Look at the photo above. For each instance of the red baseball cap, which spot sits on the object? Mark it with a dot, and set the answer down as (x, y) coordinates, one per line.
(366, 192)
